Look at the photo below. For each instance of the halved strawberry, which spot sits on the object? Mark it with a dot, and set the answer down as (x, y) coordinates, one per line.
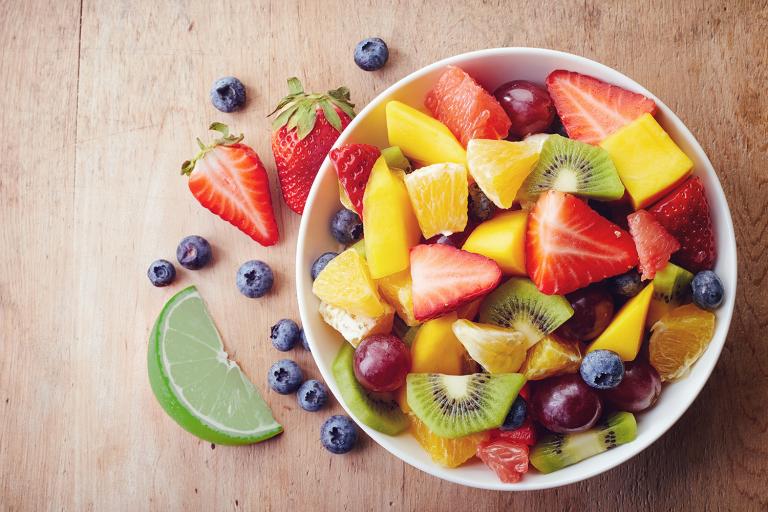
(685, 214)
(228, 178)
(569, 245)
(445, 278)
(654, 243)
(508, 459)
(353, 163)
(591, 109)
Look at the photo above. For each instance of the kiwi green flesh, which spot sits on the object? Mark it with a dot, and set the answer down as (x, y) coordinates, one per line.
(557, 451)
(458, 405)
(519, 305)
(396, 159)
(410, 335)
(672, 284)
(380, 411)
(571, 166)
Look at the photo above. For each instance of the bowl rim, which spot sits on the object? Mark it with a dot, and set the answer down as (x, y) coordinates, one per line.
(725, 313)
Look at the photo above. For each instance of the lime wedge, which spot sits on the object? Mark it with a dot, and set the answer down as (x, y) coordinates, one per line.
(196, 383)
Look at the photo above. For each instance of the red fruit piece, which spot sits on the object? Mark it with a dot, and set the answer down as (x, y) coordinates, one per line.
(685, 214)
(509, 460)
(445, 278)
(569, 245)
(470, 111)
(591, 109)
(228, 178)
(526, 434)
(353, 163)
(654, 244)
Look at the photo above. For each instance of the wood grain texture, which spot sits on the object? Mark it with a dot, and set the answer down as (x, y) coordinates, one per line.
(101, 102)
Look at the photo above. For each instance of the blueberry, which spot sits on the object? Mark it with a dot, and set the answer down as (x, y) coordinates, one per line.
(516, 415)
(626, 285)
(602, 369)
(312, 395)
(254, 279)
(161, 272)
(338, 434)
(194, 252)
(320, 263)
(284, 335)
(228, 94)
(285, 376)
(304, 342)
(480, 207)
(346, 226)
(707, 290)
(371, 54)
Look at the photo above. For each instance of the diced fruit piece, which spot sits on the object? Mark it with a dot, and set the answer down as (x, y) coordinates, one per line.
(421, 137)
(354, 328)
(353, 164)
(576, 167)
(457, 405)
(466, 108)
(685, 214)
(346, 283)
(503, 240)
(707, 290)
(396, 159)
(447, 452)
(591, 109)
(671, 288)
(509, 460)
(528, 105)
(526, 434)
(396, 289)
(654, 244)
(438, 195)
(359, 247)
(381, 362)
(569, 245)
(435, 349)
(379, 411)
(550, 357)
(639, 389)
(500, 167)
(389, 223)
(592, 313)
(497, 349)
(560, 450)
(648, 160)
(445, 278)
(517, 304)
(625, 333)
(469, 311)
(679, 339)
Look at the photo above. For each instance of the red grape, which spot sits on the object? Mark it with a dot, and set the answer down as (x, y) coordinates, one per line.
(639, 389)
(565, 404)
(382, 362)
(528, 106)
(592, 312)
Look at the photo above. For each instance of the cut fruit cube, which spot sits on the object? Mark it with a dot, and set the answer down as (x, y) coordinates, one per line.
(654, 243)
(346, 283)
(679, 339)
(501, 239)
(624, 334)
(500, 167)
(354, 328)
(422, 137)
(671, 288)
(397, 290)
(497, 349)
(447, 452)
(435, 349)
(396, 159)
(438, 195)
(550, 357)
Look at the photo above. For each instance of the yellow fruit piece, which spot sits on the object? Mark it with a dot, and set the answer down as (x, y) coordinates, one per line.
(469, 311)
(679, 339)
(497, 349)
(550, 357)
(346, 283)
(421, 137)
(345, 201)
(447, 452)
(436, 349)
(624, 334)
(354, 328)
(656, 310)
(389, 224)
(499, 167)
(438, 195)
(401, 395)
(647, 159)
(396, 289)
(503, 240)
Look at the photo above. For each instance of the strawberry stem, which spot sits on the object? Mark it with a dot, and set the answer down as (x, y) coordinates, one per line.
(226, 139)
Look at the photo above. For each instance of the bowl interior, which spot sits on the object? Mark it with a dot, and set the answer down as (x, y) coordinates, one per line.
(491, 68)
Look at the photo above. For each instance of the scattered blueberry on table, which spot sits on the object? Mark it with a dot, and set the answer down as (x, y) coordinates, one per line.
(161, 273)
(338, 434)
(371, 54)
(228, 94)
(304, 341)
(254, 279)
(312, 395)
(285, 377)
(284, 335)
(194, 252)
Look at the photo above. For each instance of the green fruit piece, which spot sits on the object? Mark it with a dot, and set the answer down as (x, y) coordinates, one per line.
(410, 335)
(519, 305)
(196, 383)
(571, 166)
(396, 159)
(458, 405)
(557, 451)
(380, 411)
(671, 288)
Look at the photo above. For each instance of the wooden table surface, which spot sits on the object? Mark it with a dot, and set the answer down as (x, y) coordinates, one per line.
(102, 100)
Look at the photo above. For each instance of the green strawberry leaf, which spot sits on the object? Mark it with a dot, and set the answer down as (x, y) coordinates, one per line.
(331, 115)
(307, 122)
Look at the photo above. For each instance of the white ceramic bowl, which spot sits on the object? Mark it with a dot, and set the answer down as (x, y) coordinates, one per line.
(491, 68)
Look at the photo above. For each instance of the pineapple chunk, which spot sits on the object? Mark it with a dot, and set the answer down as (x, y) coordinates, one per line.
(503, 240)
(346, 283)
(356, 327)
(396, 289)
(421, 137)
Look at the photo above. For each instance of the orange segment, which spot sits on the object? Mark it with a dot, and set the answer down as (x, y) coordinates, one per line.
(500, 167)
(439, 198)
(346, 283)
(550, 357)
(448, 452)
(679, 339)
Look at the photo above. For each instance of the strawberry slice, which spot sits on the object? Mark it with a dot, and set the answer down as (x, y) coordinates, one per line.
(228, 178)
(654, 243)
(353, 163)
(569, 245)
(591, 109)
(445, 278)
(685, 214)
(508, 459)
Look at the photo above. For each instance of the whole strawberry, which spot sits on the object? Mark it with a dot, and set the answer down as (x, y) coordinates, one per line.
(304, 130)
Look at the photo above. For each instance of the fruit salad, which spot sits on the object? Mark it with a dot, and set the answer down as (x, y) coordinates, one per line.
(522, 271)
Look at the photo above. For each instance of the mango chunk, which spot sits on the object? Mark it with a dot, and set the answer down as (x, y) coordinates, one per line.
(436, 349)
(421, 137)
(502, 239)
(624, 334)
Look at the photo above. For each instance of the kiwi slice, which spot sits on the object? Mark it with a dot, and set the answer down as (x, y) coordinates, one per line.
(458, 405)
(519, 305)
(571, 166)
(380, 411)
(671, 288)
(410, 334)
(557, 451)
(396, 159)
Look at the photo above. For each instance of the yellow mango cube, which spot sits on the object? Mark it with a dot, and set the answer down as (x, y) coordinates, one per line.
(502, 239)
(436, 349)
(421, 137)
(396, 289)
(624, 334)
